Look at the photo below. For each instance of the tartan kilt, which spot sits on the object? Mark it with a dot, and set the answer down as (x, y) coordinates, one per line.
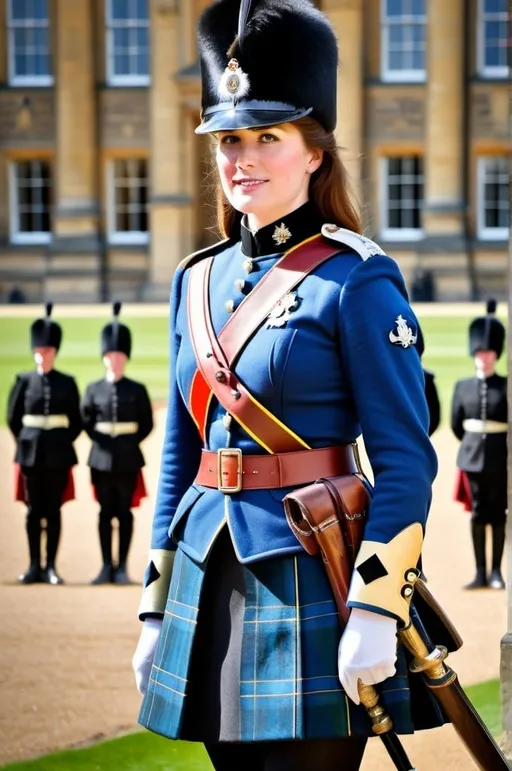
(286, 670)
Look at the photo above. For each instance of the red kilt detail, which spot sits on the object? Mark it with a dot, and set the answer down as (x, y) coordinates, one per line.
(20, 492)
(462, 492)
(139, 493)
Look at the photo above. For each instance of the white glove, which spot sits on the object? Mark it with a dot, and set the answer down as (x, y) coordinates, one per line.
(367, 651)
(145, 652)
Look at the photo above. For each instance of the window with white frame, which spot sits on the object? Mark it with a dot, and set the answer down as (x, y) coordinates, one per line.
(493, 33)
(493, 197)
(28, 36)
(127, 201)
(403, 46)
(127, 37)
(31, 201)
(402, 197)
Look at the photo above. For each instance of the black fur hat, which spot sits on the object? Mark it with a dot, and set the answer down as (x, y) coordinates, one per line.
(46, 332)
(265, 62)
(487, 333)
(116, 336)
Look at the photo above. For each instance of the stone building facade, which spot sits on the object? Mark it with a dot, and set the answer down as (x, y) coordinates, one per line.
(104, 186)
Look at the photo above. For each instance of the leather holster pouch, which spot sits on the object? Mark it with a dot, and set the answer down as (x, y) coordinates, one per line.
(328, 517)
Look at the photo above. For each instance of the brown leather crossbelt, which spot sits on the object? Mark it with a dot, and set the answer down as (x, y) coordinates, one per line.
(230, 471)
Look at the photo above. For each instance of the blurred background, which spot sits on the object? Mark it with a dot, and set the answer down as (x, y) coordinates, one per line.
(102, 181)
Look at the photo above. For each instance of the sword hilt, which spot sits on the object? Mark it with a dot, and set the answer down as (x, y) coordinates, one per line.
(430, 662)
(381, 721)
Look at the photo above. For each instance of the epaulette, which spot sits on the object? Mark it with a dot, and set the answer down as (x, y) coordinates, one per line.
(208, 251)
(365, 247)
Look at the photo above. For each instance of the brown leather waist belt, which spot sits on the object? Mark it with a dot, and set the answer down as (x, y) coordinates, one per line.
(230, 471)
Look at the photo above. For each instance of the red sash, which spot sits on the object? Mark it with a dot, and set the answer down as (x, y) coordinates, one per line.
(216, 356)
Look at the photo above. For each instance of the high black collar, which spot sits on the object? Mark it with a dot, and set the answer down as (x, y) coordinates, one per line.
(295, 227)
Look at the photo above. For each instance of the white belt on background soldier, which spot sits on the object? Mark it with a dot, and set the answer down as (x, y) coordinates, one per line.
(110, 428)
(46, 422)
(476, 426)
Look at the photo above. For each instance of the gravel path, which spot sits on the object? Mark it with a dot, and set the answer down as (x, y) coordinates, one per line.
(65, 674)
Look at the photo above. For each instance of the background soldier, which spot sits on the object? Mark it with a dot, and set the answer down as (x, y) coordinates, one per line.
(479, 420)
(117, 415)
(434, 406)
(44, 416)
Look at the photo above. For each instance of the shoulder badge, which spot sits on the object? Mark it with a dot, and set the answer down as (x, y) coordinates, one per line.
(365, 247)
(403, 334)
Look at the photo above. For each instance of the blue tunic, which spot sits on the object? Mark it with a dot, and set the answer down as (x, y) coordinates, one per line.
(329, 374)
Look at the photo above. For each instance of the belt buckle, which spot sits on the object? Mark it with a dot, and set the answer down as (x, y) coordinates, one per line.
(229, 453)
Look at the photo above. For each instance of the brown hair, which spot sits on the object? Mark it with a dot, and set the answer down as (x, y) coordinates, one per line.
(329, 188)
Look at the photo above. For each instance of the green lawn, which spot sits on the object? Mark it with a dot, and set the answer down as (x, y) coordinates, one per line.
(446, 353)
(146, 752)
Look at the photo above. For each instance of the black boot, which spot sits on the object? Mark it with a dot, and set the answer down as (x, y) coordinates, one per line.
(32, 576)
(125, 538)
(34, 573)
(478, 535)
(106, 574)
(121, 576)
(50, 575)
(498, 544)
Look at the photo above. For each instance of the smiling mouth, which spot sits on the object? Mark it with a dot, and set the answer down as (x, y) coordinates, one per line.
(249, 183)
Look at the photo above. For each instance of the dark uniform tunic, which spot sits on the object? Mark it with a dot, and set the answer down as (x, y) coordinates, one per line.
(44, 454)
(50, 394)
(115, 458)
(123, 402)
(434, 408)
(479, 420)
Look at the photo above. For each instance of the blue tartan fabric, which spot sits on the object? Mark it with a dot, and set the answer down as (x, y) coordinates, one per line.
(289, 687)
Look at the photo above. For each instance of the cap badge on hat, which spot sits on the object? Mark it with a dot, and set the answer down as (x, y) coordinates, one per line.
(234, 83)
(281, 234)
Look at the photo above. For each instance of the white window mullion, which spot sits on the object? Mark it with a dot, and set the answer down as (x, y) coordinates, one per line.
(130, 176)
(490, 15)
(131, 74)
(398, 43)
(38, 177)
(31, 53)
(492, 172)
(405, 179)
(111, 201)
